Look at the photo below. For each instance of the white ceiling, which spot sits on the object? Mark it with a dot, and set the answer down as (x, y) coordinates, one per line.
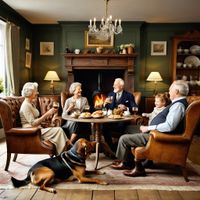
(155, 11)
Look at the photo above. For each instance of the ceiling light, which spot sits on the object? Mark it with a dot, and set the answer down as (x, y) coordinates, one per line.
(107, 27)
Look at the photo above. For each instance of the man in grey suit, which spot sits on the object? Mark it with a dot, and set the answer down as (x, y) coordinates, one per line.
(169, 120)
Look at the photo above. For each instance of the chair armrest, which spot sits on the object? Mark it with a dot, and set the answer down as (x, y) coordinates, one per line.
(137, 120)
(23, 131)
(164, 137)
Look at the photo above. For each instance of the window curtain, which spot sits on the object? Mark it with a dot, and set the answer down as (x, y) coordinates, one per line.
(11, 54)
(10, 85)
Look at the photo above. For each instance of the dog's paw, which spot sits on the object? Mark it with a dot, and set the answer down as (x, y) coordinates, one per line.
(100, 173)
(103, 183)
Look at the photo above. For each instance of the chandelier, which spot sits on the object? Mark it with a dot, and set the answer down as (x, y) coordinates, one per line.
(106, 28)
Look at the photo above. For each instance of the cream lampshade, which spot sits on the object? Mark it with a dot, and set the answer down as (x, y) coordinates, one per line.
(51, 76)
(154, 77)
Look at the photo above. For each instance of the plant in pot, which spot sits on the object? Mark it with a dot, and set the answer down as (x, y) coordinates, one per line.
(1, 86)
(127, 48)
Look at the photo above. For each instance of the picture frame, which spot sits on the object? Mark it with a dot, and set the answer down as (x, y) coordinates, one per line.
(47, 48)
(95, 40)
(28, 59)
(27, 44)
(158, 48)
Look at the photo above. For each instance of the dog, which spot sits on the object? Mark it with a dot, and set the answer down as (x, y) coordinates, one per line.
(62, 167)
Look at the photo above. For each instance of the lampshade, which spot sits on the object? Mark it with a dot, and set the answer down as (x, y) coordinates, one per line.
(154, 76)
(51, 76)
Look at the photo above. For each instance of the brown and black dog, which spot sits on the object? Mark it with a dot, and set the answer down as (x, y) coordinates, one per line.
(61, 167)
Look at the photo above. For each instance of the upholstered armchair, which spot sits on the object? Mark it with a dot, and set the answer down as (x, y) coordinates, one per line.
(18, 139)
(46, 103)
(172, 148)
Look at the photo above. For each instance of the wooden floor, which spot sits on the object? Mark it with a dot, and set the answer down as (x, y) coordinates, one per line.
(69, 194)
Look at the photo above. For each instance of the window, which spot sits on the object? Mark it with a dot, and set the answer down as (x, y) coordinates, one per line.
(2, 54)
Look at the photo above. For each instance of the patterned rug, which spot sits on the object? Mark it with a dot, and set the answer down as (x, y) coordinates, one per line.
(162, 177)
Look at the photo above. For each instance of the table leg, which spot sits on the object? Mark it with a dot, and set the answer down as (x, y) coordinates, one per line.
(100, 143)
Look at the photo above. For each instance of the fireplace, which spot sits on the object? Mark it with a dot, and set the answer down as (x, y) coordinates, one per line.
(97, 72)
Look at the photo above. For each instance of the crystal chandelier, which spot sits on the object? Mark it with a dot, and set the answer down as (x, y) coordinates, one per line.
(106, 28)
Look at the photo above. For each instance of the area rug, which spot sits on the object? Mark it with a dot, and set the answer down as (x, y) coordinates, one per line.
(162, 177)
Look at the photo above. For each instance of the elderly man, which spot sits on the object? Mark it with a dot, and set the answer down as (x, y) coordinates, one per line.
(169, 120)
(118, 98)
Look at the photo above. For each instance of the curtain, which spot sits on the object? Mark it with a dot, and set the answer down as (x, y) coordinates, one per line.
(10, 84)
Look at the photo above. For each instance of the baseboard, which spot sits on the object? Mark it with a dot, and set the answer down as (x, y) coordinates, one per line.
(2, 135)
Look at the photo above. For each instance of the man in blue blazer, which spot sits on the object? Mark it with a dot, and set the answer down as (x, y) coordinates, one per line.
(118, 98)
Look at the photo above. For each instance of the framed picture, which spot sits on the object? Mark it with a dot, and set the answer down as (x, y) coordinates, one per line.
(96, 40)
(27, 44)
(47, 48)
(28, 59)
(158, 48)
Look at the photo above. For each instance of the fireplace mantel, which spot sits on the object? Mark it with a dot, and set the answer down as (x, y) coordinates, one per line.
(124, 62)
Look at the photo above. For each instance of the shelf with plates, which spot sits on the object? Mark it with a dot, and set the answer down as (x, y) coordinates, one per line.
(186, 60)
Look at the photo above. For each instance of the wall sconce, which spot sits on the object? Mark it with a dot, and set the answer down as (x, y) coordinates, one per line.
(154, 77)
(51, 76)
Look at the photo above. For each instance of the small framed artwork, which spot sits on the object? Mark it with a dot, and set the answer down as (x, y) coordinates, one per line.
(27, 44)
(28, 60)
(96, 40)
(158, 48)
(47, 48)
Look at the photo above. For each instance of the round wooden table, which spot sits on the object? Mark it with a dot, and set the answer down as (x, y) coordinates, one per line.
(96, 124)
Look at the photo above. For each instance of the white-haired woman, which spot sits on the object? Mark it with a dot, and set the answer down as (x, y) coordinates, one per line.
(29, 115)
(76, 102)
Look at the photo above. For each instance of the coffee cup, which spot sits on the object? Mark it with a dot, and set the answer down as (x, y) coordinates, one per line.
(77, 51)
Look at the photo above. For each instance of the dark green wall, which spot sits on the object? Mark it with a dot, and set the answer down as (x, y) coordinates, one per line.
(71, 34)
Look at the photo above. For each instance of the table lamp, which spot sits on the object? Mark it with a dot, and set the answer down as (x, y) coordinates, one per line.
(155, 77)
(51, 76)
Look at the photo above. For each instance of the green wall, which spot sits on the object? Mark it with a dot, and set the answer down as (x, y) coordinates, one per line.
(71, 34)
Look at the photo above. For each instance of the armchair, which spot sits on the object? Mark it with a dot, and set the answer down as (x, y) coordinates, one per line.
(46, 103)
(171, 148)
(18, 139)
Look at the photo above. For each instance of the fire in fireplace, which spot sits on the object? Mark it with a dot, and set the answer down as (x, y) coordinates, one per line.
(98, 100)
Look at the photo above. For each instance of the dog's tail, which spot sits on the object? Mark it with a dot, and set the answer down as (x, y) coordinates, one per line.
(18, 183)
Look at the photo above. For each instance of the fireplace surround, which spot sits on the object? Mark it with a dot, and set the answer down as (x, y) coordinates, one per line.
(98, 71)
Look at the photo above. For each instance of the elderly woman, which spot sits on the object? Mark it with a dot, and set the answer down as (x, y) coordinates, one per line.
(29, 115)
(76, 102)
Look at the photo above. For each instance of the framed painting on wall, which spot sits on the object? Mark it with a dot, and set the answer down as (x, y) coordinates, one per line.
(47, 48)
(28, 59)
(96, 40)
(27, 44)
(158, 48)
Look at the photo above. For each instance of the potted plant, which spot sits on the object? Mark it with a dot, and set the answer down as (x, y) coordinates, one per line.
(1, 86)
(127, 48)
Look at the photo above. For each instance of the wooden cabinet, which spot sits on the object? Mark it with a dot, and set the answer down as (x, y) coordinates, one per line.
(186, 60)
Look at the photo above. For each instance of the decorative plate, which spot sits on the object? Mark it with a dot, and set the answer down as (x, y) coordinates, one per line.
(195, 49)
(192, 60)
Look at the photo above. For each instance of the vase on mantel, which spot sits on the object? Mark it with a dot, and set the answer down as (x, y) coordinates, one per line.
(130, 50)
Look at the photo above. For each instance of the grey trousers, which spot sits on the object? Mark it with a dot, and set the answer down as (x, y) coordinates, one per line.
(130, 140)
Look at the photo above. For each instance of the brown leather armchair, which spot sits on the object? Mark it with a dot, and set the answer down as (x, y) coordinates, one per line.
(46, 103)
(18, 139)
(171, 148)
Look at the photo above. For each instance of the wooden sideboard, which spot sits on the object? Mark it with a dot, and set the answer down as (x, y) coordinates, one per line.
(124, 62)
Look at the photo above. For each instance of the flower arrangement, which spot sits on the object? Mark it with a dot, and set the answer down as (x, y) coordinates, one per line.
(1, 86)
(124, 46)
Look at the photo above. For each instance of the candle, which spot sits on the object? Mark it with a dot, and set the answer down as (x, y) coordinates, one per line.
(116, 22)
(119, 21)
(90, 22)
